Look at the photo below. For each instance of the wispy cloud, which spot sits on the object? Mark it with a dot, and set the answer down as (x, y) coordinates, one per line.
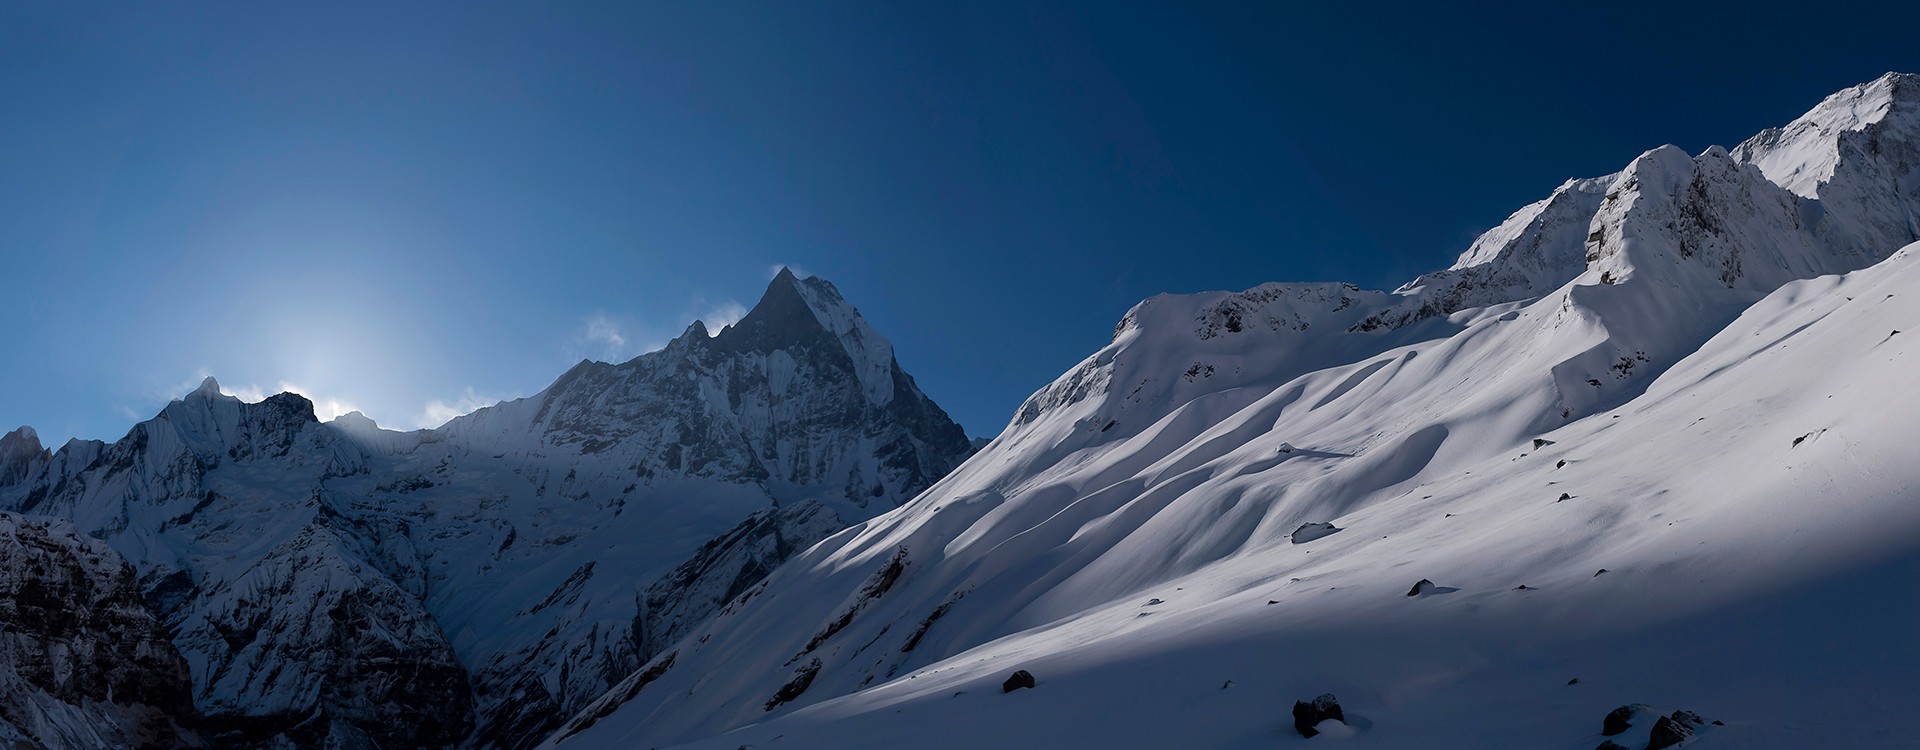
(161, 392)
(604, 336)
(774, 270)
(253, 394)
(725, 313)
(325, 408)
(438, 412)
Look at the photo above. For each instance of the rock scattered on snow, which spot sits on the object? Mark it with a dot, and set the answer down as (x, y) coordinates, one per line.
(1020, 679)
(1311, 531)
(1422, 587)
(1307, 715)
(1673, 730)
(802, 679)
(1621, 719)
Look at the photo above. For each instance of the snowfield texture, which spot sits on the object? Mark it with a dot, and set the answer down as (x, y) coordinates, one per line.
(1648, 441)
(345, 586)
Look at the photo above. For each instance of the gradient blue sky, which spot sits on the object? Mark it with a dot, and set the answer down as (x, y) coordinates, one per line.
(414, 210)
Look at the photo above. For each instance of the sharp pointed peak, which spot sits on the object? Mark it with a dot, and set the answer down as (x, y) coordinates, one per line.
(23, 440)
(208, 388)
(355, 419)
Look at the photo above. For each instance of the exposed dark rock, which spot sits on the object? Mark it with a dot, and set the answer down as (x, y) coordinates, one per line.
(75, 637)
(1610, 745)
(794, 687)
(722, 570)
(1422, 587)
(1689, 718)
(1668, 732)
(877, 586)
(1311, 531)
(1020, 679)
(1621, 719)
(1306, 716)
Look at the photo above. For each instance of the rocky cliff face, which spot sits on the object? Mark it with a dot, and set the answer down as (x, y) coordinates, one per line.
(344, 586)
(801, 405)
(82, 661)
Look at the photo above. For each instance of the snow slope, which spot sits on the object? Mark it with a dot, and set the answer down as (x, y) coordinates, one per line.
(1709, 404)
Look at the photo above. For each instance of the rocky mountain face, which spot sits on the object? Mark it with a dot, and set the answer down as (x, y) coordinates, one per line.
(1682, 376)
(340, 585)
(82, 661)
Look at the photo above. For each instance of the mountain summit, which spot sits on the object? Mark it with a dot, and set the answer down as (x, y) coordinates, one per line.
(499, 571)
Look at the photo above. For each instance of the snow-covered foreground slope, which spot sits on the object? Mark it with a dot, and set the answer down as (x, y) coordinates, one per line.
(1710, 405)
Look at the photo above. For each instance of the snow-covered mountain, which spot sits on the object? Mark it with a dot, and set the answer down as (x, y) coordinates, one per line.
(341, 585)
(1646, 442)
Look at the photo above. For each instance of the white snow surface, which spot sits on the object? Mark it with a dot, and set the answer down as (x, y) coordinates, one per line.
(1722, 384)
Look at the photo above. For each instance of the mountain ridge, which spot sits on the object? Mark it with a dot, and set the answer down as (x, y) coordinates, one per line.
(496, 569)
(1649, 416)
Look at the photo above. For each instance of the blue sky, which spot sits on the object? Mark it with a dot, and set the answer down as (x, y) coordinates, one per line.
(413, 210)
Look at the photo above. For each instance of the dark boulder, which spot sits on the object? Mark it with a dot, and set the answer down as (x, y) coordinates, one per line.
(1610, 745)
(1668, 732)
(1621, 719)
(1689, 718)
(1422, 587)
(1306, 715)
(1311, 531)
(1020, 679)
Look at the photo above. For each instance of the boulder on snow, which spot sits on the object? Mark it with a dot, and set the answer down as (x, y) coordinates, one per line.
(1621, 719)
(1020, 679)
(1311, 531)
(1688, 717)
(1306, 715)
(1668, 732)
(1422, 587)
(1674, 729)
(1610, 745)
